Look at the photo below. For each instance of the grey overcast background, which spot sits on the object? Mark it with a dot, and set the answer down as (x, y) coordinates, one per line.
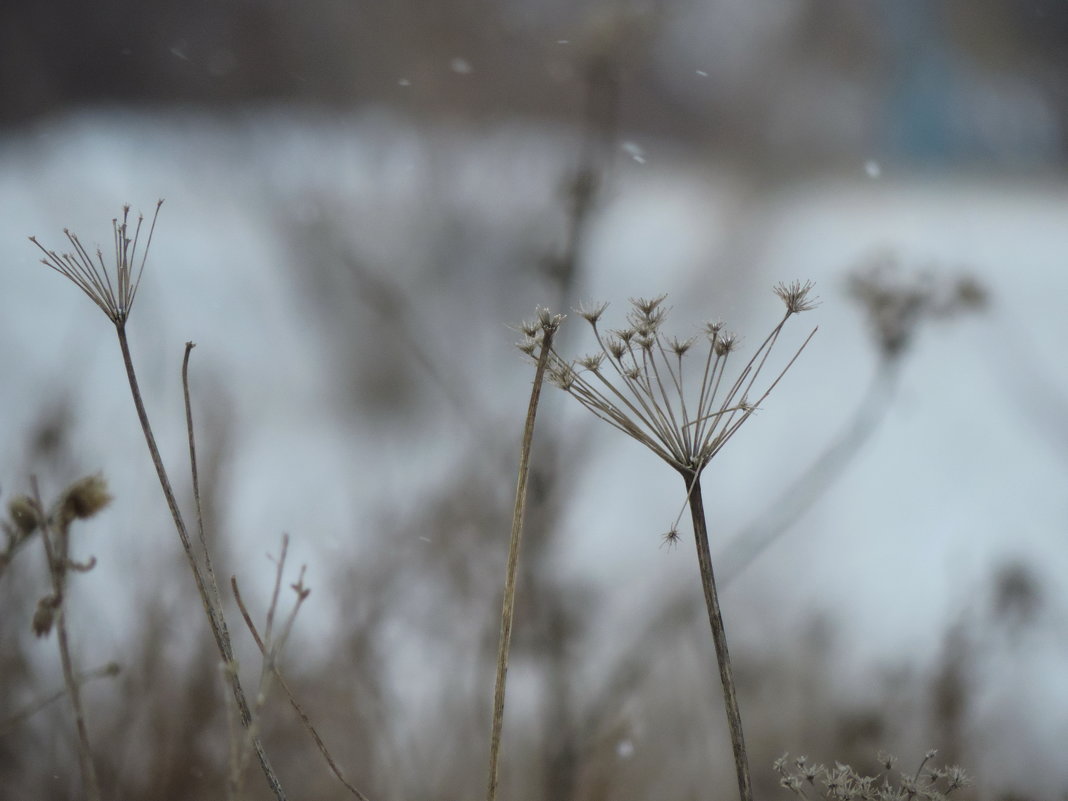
(360, 199)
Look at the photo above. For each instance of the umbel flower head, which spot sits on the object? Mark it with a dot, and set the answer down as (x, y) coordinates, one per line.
(644, 383)
(113, 290)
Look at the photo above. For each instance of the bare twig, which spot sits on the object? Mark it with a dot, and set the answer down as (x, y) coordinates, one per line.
(304, 719)
(272, 648)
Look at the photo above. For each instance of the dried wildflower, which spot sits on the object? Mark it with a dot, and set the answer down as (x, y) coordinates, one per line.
(896, 303)
(725, 344)
(844, 783)
(592, 362)
(528, 345)
(547, 320)
(647, 307)
(956, 777)
(591, 311)
(82, 500)
(646, 392)
(113, 290)
(680, 346)
(671, 537)
(796, 296)
(23, 512)
(616, 348)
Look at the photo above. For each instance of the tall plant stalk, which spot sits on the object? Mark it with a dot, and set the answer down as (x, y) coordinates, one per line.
(548, 325)
(114, 291)
(638, 383)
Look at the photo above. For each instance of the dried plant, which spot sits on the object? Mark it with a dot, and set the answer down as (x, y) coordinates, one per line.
(80, 501)
(539, 335)
(114, 290)
(637, 383)
(843, 783)
(896, 302)
(271, 645)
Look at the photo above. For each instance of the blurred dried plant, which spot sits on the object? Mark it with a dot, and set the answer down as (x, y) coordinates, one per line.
(80, 501)
(896, 303)
(843, 783)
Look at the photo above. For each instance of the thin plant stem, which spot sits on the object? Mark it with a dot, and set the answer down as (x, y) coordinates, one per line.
(57, 566)
(304, 719)
(213, 612)
(109, 670)
(508, 608)
(268, 669)
(212, 584)
(719, 635)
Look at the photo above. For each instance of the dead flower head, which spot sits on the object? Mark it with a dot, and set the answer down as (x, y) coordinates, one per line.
(82, 500)
(112, 289)
(897, 302)
(641, 381)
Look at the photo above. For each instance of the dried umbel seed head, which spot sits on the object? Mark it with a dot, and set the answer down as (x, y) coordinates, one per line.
(639, 384)
(83, 499)
(112, 288)
(796, 296)
(897, 302)
(23, 513)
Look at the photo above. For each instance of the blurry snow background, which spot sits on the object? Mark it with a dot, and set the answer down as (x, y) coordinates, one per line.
(348, 233)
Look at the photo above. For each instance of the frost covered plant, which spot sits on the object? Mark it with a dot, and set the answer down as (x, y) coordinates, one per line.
(843, 783)
(645, 383)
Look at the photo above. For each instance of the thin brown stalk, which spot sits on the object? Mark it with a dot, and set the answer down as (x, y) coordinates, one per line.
(508, 607)
(213, 612)
(195, 475)
(239, 755)
(109, 670)
(719, 636)
(57, 567)
(304, 719)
